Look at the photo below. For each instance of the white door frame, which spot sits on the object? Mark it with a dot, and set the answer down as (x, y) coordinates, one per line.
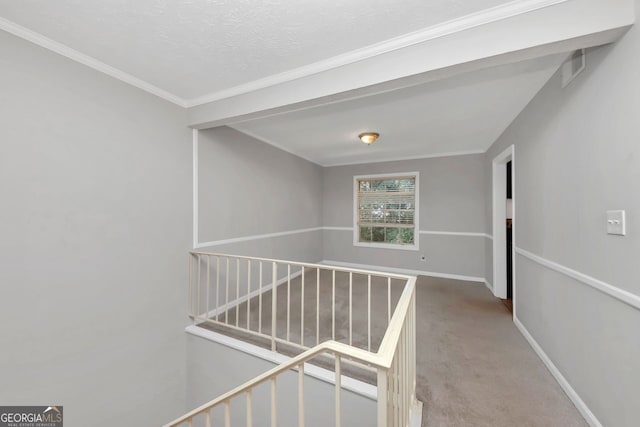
(499, 210)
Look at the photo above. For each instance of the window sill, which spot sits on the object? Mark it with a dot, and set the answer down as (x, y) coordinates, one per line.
(386, 246)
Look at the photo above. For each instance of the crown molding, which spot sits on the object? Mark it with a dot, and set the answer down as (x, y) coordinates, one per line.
(359, 162)
(274, 144)
(466, 22)
(484, 17)
(406, 158)
(66, 51)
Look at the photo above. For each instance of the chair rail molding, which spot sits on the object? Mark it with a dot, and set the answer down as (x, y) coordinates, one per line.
(613, 291)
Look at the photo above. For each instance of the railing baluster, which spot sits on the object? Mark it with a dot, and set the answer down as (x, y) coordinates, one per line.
(396, 380)
(383, 398)
(301, 395)
(338, 388)
(350, 308)
(208, 283)
(333, 305)
(400, 396)
(260, 299)
(392, 394)
(198, 289)
(399, 382)
(208, 418)
(369, 312)
(390, 397)
(190, 423)
(274, 305)
(412, 319)
(407, 351)
(226, 299)
(409, 358)
(249, 410)
(403, 365)
(317, 306)
(288, 302)
(190, 300)
(217, 287)
(396, 388)
(302, 310)
(405, 380)
(388, 300)
(227, 414)
(237, 292)
(248, 294)
(274, 404)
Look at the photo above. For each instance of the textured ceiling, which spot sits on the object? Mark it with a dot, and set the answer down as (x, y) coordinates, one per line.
(197, 47)
(462, 114)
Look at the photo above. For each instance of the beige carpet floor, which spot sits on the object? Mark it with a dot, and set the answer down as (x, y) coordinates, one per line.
(474, 368)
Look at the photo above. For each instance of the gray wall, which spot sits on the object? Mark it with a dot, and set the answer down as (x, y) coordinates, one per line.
(247, 188)
(206, 381)
(95, 225)
(452, 199)
(577, 154)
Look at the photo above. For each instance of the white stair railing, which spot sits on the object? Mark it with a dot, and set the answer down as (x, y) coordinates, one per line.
(394, 361)
(230, 291)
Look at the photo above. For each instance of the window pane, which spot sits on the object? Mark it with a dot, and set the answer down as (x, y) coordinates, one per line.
(405, 217)
(392, 235)
(377, 234)
(406, 236)
(407, 184)
(365, 234)
(378, 185)
(366, 216)
(393, 185)
(392, 217)
(365, 185)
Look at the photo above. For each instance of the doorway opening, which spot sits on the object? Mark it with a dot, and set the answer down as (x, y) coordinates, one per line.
(508, 302)
(504, 227)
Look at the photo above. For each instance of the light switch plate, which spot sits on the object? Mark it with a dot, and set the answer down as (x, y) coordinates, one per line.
(615, 223)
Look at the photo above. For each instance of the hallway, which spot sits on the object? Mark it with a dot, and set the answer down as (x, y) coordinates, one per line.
(474, 366)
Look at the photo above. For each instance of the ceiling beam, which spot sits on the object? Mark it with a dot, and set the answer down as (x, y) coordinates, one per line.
(514, 32)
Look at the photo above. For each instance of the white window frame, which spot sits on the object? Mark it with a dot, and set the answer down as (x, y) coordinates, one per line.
(416, 220)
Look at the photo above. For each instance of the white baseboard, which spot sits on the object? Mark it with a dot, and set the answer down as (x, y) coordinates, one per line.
(403, 271)
(356, 386)
(571, 393)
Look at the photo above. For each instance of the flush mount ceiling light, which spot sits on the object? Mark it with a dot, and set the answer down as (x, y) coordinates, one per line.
(368, 137)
